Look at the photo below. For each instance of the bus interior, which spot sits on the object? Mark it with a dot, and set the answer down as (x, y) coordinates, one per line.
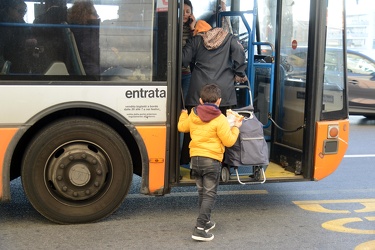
(277, 87)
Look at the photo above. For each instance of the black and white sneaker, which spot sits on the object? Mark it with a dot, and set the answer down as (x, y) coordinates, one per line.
(210, 225)
(201, 235)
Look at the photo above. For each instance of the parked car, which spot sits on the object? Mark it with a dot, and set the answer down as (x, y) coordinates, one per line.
(360, 76)
(361, 84)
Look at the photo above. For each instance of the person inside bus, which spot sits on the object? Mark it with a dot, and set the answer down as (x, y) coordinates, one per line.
(16, 41)
(189, 22)
(211, 133)
(83, 14)
(218, 57)
(51, 46)
(225, 21)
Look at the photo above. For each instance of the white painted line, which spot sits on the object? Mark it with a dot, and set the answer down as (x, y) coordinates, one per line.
(358, 156)
(187, 194)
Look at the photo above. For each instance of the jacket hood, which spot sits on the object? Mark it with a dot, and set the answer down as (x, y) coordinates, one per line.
(201, 26)
(207, 112)
(214, 38)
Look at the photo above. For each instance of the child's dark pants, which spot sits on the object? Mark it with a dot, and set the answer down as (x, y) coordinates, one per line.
(206, 172)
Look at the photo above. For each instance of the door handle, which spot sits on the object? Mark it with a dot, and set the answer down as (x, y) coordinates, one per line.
(354, 82)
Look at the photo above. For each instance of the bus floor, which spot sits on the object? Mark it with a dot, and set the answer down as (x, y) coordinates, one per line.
(273, 172)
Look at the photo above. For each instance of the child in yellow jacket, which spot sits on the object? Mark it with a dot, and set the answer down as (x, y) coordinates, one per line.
(210, 133)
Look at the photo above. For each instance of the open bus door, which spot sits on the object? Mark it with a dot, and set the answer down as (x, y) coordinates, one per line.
(311, 93)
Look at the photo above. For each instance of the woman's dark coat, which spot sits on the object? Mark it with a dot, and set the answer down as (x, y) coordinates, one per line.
(218, 57)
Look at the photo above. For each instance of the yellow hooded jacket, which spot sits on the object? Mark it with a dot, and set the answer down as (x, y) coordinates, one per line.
(209, 130)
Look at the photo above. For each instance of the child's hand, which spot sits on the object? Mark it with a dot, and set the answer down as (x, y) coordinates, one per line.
(238, 123)
(184, 111)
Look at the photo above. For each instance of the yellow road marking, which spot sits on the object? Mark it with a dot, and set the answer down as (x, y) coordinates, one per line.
(339, 225)
(316, 205)
(369, 245)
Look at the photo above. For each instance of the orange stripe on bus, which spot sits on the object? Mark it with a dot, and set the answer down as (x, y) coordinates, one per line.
(6, 135)
(326, 164)
(155, 140)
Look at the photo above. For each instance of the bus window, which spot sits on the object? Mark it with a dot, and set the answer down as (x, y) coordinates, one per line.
(16, 41)
(334, 73)
(290, 84)
(130, 41)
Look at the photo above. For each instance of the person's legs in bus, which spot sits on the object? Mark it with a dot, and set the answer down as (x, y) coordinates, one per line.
(224, 112)
(185, 84)
(184, 145)
(185, 155)
(206, 172)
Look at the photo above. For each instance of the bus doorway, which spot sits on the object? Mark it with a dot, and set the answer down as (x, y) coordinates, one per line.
(285, 91)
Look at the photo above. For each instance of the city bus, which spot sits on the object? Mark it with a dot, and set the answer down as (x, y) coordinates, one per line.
(77, 137)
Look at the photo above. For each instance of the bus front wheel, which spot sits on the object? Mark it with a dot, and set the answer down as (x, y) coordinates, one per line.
(76, 170)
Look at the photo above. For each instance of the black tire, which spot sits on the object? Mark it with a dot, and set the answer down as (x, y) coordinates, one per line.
(225, 174)
(256, 173)
(76, 170)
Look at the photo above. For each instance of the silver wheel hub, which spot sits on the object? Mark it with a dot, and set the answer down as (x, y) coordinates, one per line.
(78, 170)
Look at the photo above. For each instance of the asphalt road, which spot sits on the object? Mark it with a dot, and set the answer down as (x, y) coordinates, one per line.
(337, 212)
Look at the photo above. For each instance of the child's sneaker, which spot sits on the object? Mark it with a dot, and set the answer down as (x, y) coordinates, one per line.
(210, 225)
(201, 235)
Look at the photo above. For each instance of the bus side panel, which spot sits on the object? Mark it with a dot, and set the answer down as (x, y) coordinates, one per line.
(327, 155)
(155, 140)
(6, 135)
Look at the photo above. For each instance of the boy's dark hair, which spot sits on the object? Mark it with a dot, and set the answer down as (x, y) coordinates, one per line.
(210, 93)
